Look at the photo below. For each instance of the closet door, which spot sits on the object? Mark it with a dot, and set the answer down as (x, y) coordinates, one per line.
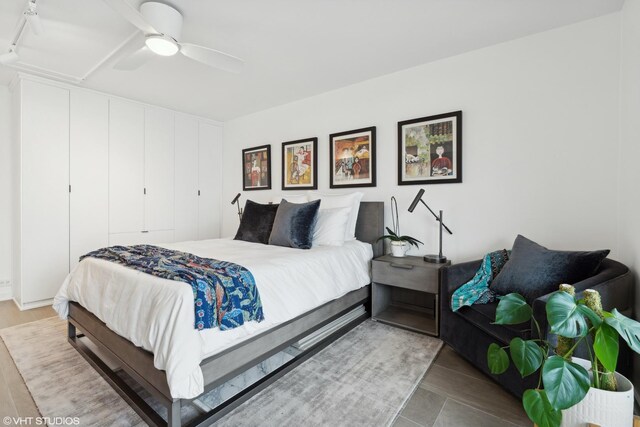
(44, 190)
(210, 137)
(159, 169)
(89, 173)
(126, 167)
(186, 184)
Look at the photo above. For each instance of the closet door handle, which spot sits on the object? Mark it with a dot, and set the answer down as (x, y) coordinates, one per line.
(144, 231)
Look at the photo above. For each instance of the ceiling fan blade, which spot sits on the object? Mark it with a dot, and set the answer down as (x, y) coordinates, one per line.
(132, 15)
(35, 24)
(212, 58)
(135, 60)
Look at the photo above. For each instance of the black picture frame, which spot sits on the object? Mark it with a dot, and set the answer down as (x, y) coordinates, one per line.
(343, 160)
(421, 165)
(291, 164)
(262, 155)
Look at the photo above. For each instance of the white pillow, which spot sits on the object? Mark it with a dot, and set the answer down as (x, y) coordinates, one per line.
(332, 201)
(291, 198)
(331, 227)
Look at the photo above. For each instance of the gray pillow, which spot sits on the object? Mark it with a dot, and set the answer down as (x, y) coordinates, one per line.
(534, 271)
(294, 224)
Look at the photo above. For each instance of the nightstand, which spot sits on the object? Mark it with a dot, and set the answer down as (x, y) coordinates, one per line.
(405, 293)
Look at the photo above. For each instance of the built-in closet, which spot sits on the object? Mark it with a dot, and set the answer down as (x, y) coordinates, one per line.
(92, 170)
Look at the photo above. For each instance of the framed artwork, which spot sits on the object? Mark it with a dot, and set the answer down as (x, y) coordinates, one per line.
(300, 164)
(430, 150)
(353, 158)
(256, 168)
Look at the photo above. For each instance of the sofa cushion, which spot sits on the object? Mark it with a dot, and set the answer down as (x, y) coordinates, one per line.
(483, 316)
(533, 270)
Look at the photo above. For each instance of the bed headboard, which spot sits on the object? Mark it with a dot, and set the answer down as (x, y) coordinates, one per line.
(370, 225)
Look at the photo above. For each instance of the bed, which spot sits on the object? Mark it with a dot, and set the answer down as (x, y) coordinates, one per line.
(215, 357)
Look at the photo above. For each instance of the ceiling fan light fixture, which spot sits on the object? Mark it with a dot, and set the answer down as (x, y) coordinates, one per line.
(162, 45)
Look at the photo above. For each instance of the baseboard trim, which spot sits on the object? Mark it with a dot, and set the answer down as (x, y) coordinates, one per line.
(36, 304)
(6, 293)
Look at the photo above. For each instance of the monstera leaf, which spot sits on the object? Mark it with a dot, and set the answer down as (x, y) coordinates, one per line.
(628, 329)
(565, 383)
(537, 406)
(497, 359)
(567, 318)
(606, 346)
(512, 309)
(526, 355)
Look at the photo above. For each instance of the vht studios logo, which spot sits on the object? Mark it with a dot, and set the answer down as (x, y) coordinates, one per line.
(41, 421)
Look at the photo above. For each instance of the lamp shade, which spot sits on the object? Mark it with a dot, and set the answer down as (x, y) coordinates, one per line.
(416, 200)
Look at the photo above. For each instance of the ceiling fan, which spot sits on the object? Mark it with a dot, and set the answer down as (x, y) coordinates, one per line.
(161, 26)
(29, 16)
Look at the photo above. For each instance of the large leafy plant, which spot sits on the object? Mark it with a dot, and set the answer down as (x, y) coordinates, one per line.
(562, 383)
(394, 237)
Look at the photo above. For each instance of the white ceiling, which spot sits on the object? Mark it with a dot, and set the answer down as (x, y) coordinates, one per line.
(293, 48)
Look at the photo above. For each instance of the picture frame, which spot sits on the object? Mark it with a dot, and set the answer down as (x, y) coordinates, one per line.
(430, 150)
(256, 168)
(300, 164)
(352, 157)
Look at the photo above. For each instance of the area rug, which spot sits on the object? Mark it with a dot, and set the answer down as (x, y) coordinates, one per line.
(362, 379)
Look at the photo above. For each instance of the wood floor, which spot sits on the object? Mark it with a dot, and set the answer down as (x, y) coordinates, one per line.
(452, 393)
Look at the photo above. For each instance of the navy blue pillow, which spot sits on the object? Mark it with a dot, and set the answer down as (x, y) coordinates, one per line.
(294, 224)
(534, 271)
(257, 221)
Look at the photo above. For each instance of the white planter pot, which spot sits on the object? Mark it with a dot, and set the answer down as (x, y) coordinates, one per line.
(399, 249)
(604, 408)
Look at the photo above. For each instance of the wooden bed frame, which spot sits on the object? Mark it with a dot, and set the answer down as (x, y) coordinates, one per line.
(219, 368)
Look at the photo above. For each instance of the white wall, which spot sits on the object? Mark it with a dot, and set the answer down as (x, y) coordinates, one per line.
(5, 185)
(629, 171)
(540, 120)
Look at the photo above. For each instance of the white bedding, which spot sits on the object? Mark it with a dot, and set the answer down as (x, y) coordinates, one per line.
(157, 314)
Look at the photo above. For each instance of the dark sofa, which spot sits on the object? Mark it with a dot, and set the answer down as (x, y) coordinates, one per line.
(469, 331)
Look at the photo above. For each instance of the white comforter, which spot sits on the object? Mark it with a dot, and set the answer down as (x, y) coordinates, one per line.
(157, 314)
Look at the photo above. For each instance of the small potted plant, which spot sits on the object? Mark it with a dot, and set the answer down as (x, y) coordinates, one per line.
(570, 391)
(399, 244)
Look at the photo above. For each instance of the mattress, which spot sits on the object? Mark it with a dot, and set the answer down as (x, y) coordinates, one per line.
(157, 314)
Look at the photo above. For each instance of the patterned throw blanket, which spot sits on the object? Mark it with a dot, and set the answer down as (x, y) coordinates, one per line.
(224, 293)
(476, 290)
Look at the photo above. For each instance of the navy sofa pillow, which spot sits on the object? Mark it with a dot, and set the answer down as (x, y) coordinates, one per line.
(534, 271)
(294, 224)
(257, 221)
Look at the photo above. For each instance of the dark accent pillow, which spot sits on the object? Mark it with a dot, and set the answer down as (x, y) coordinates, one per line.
(257, 221)
(294, 224)
(534, 271)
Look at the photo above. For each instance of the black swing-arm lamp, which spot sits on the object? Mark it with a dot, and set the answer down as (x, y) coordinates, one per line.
(431, 258)
(236, 201)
